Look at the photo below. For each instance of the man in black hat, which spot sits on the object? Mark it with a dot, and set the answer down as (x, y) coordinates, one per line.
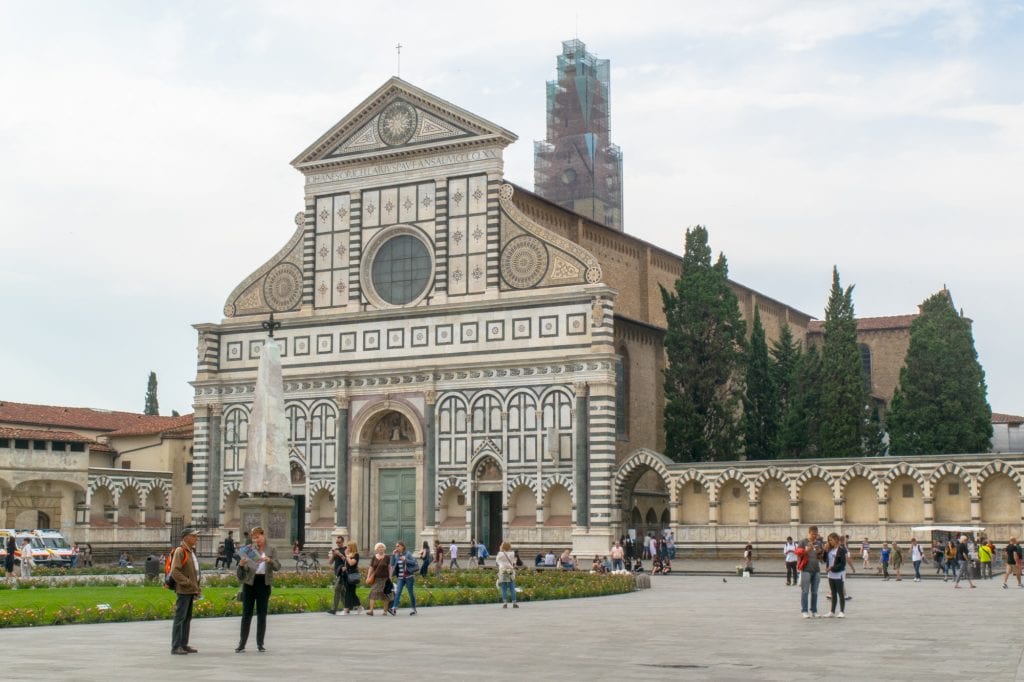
(185, 572)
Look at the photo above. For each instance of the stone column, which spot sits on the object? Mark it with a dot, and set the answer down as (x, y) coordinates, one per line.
(975, 510)
(341, 478)
(430, 462)
(712, 512)
(213, 497)
(582, 468)
(929, 510)
(359, 526)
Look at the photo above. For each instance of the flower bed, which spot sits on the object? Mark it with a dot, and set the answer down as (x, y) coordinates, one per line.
(293, 593)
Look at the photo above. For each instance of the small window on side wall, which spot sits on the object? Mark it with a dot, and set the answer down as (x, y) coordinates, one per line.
(908, 490)
(954, 488)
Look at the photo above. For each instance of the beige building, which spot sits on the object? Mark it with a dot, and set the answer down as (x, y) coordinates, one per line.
(99, 476)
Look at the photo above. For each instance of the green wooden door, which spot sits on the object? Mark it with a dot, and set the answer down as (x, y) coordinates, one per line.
(397, 505)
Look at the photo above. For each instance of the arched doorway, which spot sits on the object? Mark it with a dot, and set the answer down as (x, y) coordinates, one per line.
(645, 502)
(487, 526)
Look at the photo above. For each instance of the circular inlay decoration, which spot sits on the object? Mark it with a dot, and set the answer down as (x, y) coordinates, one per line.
(524, 260)
(282, 288)
(397, 123)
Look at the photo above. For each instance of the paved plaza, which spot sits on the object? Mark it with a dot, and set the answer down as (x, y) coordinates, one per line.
(685, 627)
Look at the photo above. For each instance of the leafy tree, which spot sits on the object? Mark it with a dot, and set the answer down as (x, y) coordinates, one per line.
(760, 399)
(800, 430)
(704, 343)
(175, 413)
(940, 406)
(152, 405)
(843, 395)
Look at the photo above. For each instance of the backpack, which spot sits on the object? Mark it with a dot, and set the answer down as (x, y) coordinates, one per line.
(168, 579)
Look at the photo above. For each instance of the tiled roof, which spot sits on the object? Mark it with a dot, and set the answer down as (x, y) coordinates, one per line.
(123, 423)
(184, 431)
(869, 324)
(100, 447)
(37, 434)
(999, 418)
(154, 425)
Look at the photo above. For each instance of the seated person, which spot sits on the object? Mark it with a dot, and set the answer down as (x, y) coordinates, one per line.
(655, 565)
(596, 566)
(606, 564)
(539, 559)
(666, 567)
(565, 561)
(638, 567)
(222, 558)
(549, 558)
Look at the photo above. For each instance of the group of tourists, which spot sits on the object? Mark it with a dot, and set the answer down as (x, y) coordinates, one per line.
(388, 576)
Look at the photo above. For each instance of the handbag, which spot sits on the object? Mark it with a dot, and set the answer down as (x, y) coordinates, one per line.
(353, 577)
(369, 578)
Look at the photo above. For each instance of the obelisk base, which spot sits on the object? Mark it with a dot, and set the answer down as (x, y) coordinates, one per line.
(273, 515)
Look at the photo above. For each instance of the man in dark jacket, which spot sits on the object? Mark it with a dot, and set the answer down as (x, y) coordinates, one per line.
(12, 545)
(229, 548)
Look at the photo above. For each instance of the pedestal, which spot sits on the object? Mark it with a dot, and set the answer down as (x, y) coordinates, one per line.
(272, 514)
(590, 542)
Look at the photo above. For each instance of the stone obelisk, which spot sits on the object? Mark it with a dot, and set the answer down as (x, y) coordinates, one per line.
(266, 481)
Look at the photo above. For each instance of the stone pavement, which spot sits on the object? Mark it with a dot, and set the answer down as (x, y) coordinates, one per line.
(686, 627)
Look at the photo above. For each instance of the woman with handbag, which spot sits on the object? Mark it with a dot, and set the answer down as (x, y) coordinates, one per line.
(377, 577)
(351, 576)
(506, 563)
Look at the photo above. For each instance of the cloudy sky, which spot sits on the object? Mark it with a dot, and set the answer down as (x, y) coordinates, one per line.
(144, 153)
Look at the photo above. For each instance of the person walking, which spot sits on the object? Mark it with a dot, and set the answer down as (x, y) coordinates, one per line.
(453, 554)
(896, 559)
(950, 563)
(403, 567)
(865, 553)
(884, 555)
(377, 578)
(229, 549)
(835, 561)
(27, 562)
(1013, 559)
(916, 556)
(748, 559)
(188, 587)
(425, 557)
(985, 559)
(809, 556)
(506, 563)
(963, 562)
(438, 557)
(337, 558)
(256, 571)
(11, 547)
(789, 552)
(350, 576)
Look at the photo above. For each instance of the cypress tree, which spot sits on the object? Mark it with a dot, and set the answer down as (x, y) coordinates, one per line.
(704, 343)
(760, 399)
(843, 395)
(152, 405)
(940, 406)
(874, 433)
(800, 431)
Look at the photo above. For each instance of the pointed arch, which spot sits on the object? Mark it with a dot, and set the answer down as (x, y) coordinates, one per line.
(998, 466)
(904, 469)
(772, 473)
(860, 470)
(731, 474)
(949, 468)
(630, 468)
(521, 480)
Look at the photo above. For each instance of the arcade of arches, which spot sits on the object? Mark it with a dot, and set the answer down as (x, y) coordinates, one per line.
(727, 504)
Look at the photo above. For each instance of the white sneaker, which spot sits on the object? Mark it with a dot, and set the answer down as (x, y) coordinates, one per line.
(827, 615)
(840, 615)
(805, 614)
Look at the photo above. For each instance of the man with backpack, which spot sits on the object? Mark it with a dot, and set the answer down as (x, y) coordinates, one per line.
(185, 579)
(809, 555)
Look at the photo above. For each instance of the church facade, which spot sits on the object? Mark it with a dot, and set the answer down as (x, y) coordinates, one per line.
(462, 358)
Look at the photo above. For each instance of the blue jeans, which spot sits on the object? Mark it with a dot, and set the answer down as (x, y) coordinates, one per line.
(508, 592)
(809, 584)
(402, 583)
(917, 569)
(617, 565)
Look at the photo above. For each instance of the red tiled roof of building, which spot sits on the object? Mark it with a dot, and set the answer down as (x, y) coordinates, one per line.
(869, 324)
(185, 431)
(999, 418)
(100, 447)
(155, 425)
(37, 434)
(125, 423)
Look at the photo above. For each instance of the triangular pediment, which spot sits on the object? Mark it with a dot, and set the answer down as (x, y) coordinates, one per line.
(399, 119)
